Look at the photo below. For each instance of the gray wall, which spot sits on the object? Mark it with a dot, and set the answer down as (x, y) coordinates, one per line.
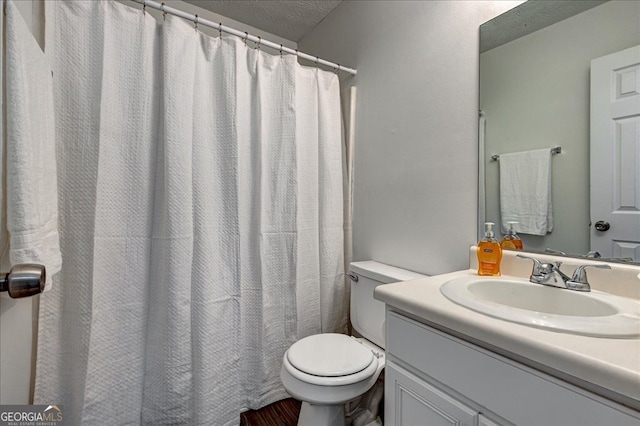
(415, 191)
(535, 94)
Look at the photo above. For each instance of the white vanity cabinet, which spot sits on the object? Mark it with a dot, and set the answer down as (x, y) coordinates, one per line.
(433, 378)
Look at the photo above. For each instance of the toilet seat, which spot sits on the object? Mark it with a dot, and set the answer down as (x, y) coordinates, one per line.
(330, 360)
(329, 355)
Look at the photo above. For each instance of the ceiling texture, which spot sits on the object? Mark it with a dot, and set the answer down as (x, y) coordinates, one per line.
(293, 19)
(528, 18)
(289, 19)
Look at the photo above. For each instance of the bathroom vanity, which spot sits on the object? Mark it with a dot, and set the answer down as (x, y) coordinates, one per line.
(447, 364)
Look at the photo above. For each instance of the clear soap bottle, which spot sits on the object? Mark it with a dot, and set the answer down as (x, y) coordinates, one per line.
(511, 240)
(489, 253)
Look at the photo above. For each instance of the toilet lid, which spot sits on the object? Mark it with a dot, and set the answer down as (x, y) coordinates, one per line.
(329, 355)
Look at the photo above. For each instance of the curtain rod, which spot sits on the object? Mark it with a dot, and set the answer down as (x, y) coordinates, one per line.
(244, 35)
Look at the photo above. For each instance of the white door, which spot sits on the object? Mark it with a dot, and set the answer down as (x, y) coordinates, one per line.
(615, 154)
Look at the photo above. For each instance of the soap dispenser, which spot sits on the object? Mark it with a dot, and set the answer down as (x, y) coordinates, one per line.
(511, 240)
(489, 253)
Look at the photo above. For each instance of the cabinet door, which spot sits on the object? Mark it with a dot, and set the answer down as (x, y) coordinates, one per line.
(483, 421)
(411, 401)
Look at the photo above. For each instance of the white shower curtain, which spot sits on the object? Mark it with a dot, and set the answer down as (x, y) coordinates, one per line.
(201, 219)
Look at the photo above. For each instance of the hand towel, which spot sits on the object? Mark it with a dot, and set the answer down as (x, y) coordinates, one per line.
(31, 179)
(525, 191)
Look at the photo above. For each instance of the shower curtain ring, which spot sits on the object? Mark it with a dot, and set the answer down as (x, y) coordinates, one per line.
(280, 49)
(195, 23)
(220, 29)
(259, 42)
(246, 36)
(164, 14)
(144, 7)
(316, 61)
(337, 69)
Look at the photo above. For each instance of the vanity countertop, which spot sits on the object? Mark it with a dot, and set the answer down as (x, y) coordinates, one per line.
(606, 366)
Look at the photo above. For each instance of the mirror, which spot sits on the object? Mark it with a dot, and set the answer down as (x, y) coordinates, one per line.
(535, 77)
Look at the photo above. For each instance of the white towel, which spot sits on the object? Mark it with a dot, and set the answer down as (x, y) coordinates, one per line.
(32, 191)
(525, 191)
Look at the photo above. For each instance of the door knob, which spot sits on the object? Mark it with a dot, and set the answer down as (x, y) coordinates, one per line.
(601, 225)
(23, 280)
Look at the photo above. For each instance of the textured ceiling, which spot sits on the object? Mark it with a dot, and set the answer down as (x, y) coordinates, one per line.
(289, 19)
(528, 17)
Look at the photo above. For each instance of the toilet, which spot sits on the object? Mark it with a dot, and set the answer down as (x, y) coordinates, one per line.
(325, 371)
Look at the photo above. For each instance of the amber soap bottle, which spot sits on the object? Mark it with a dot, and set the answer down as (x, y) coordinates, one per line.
(511, 240)
(489, 253)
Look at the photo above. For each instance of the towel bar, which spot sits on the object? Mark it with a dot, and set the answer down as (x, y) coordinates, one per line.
(556, 150)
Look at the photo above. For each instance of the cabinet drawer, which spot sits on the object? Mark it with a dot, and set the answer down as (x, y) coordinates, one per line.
(515, 392)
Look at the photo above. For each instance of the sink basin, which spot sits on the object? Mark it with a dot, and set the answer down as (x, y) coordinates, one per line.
(517, 300)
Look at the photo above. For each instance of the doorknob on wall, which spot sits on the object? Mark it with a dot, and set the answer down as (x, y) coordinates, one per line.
(601, 225)
(24, 280)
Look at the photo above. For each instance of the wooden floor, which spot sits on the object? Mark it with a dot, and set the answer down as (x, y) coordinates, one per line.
(281, 413)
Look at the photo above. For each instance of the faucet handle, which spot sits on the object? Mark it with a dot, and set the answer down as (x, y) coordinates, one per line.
(540, 270)
(539, 267)
(579, 279)
(536, 263)
(580, 274)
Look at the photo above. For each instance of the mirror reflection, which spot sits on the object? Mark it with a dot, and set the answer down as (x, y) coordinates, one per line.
(563, 74)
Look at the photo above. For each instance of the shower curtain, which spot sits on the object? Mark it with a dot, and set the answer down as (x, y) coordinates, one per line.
(201, 218)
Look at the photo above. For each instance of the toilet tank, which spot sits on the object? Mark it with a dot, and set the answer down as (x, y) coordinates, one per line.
(367, 313)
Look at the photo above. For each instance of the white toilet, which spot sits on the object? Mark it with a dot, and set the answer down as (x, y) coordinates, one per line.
(325, 371)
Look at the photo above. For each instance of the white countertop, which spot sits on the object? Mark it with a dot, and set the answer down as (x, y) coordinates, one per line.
(606, 366)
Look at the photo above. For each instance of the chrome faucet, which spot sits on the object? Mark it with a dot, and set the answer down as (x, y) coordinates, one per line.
(550, 274)
(547, 273)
